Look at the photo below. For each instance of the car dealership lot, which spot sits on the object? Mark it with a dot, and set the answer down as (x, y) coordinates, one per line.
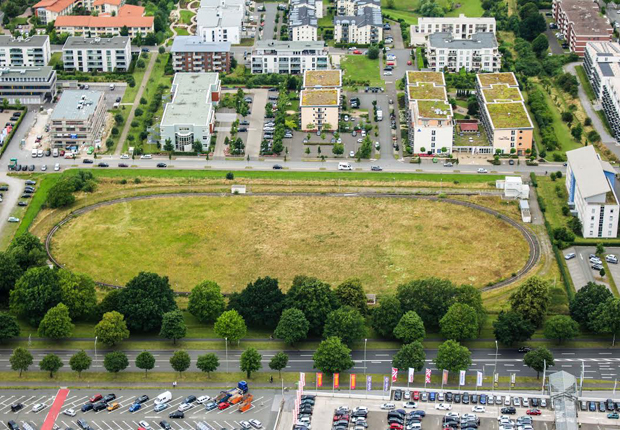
(264, 408)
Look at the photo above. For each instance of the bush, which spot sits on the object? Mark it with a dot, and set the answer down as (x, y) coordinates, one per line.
(139, 112)
(137, 181)
(230, 176)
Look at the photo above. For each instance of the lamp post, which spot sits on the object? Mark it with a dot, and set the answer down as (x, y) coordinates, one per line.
(226, 340)
(495, 365)
(95, 348)
(365, 342)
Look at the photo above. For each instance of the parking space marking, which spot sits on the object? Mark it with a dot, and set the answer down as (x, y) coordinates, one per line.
(8, 406)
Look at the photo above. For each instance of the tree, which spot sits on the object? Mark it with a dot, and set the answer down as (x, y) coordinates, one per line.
(173, 326)
(260, 303)
(206, 302)
(577, 131)
(452, 356)
(314, 298)
(28, 251)
(386, 316)
(61, 194)
(292, 327)
(230, 325)
(35, 293)
(593, 136)
(115, 361)
(410, 328)
(332, 356)
(79, 362)
(124, 31)
(180, 361)
(430, 8)
(600, 249)
(540, 45)
(351, 293)
(168, 146)
(112, 328)
(373, 52)
(144, 301)
(470, 295)
(537, 359)
(279, 362)
(459, 323)
(9, 327)
(561, 328)
(346, 323)
(607, 318)
(9, 273)
(56, 324)
(51, 363)
(532, 24)
(410, 355)
(511, 328)
(337, 149)
(145, 361)
(20, 360)
(208, 363)
(250, 361)
(531, 300)
(429, 298)
(78, 293)
(567, 116)
(586, 301)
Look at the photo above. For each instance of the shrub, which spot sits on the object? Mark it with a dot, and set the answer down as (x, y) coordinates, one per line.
(230, 176)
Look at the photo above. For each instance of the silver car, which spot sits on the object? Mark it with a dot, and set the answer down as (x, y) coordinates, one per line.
(39, 407)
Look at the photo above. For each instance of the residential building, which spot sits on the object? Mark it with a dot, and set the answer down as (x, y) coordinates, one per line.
(590, 182)
(303, 25)
(288, 58)
(503, 114)
(78, 119)
(320, 100)
(28, 85)
(97, 54)
(478, 54)
(128, 16)
(108, 6)
(314, 5)
(353, 7)
(364, 28)
(49, 10)
(220, 20)
(190, 115)
(32, 51)
(460, 27)
(580, 22)
(431, 125)
(192, 54)
(322, 79)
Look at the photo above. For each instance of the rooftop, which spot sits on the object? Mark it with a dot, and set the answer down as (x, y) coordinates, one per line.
(585, 17)
(426, 91)
(435, 109)
(588, 171)
(196, 44)
(26, 73)
(54, 5)
(77, 105)
(487, 79)
(128, 15)
(191, 102)
(367, 15)
(509, 115)
(445, 40)
(33, 42)
(433, 77)
(302, 16)
(604, 49)
(110, 2)
(320, 97)
(501, 92)
(224, 17)
(322, 78)
(117, 42)
(461, 19)
(282, 45)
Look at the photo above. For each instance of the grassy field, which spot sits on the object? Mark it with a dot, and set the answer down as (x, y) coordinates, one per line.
(235, 240)
(360, 68)
(181, 31)
(131, 92)
(585, 82)
(406, 9)
(186, 16)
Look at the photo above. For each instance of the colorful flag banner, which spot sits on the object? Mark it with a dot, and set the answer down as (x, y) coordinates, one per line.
(336, 380)
(462, 378)
(427, 379)
(352, 381)
(369, 382)
(302, 379)
(445, 377)
(386, 383)
(319, 379)
(411, 373)
(394, 374)
(479, 379)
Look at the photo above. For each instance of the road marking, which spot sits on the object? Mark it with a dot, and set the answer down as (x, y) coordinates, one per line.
(604, 353)
(568, 353)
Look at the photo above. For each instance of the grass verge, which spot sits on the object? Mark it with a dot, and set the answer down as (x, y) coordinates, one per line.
(585, 82)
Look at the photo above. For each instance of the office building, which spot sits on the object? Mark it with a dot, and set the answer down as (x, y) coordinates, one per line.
(459, 27)
(99, 54)
(288, 58)
(580, 22)
(32, 51)
(192, 54)
(28, 85)
(478, 54)
(78, 119)
(364, 28)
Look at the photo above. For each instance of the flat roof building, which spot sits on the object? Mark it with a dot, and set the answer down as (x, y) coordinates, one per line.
(220, 21)
(580, 22)
(31, 51)
(78, 119)
(192, 54)
(477, 54)
(320, 99)
(460, 27)
(28, 85)
(98, 54)
(322, 78)
(288, 58)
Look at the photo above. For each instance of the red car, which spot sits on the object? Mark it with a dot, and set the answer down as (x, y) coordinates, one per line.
(223, 405)
(357, 52)
(409, 63)
(96, 398)
(416, 395)
(396, 426)
(341, 417)
(533, 412)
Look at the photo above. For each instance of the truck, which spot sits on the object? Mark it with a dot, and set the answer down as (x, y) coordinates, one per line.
(222, 397)
(247, 403)
(236, 398)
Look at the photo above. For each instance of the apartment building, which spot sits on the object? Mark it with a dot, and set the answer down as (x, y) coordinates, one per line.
(506, 121)
(477, 54)
(353, 7)
(431, 125)
(590, 182)
(580, 22)
(315, 5)
(98, 54)
(303, 25)
(78, 119)
(192, 54)
(28, 85)
(128, 16)
(108, 6)
(32, 51)
(461, 27)
(320, 100)
(220, 20)
(288, 58)
(364, 28)
(49, 10)
(190, 115)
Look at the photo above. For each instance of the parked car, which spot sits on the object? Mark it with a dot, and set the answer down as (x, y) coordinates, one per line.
(135, 407)
(142, 399)
(570, 256)
(18, 406)
(103, 165)
(176, 414)
(114, 406)
(611, 258)
(533, 412)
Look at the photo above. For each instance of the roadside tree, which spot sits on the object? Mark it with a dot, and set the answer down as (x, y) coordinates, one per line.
(452, 356)
(459, 323)
(279, 362)
(56, 324)
(346, 323)
(173, 326)
(51, 363)
(314, 298)
(531, 300)
(470, 295)
(79, 362)
(250, 361)
(115, 361)
(607, 318)
(292, 327)
(20, 360)
(561, 328)
(145, 361)
(410, 355)
(410, 328)
(112, 328)
(386, 316)
(586, 301)
(332, 356)
(230, 325)
(537, 359)
(180, 361)
(208, 363)
(511, 328)
(206, 302)
(144, 301)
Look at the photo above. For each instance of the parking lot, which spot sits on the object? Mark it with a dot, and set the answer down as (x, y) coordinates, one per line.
(581, 270)
(264, 409)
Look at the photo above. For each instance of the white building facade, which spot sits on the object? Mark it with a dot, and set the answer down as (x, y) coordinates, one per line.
(220, 20)
(97, 54)
(478, 54)
(365, 28)
(288, 58)
(32, 51)
(460, 27)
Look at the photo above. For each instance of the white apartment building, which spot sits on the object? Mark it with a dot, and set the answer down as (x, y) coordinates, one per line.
(314, 5)
(190, 116)
(478, 54)
(364, 28)
(78, 119)
(352, 7)
(288, 58)
(220, 20)
(431, 126)
(591, 195)
(97, 54)
(461, 27)
(303, 25)
(32, 51)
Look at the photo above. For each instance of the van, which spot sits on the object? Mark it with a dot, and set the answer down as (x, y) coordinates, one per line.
(379, 115)
(343, 165)
(163, 398)
(112, 86)
(34, 153)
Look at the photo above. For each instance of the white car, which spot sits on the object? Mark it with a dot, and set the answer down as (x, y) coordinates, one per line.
(352, 154)
(611, 258)
(478, 408)
(361, 408)
(507, 401)
(203, 399)
(44, 167)
(526, 402)
(184, 407)
(69, 412)
(517, 401)
(388, 406)
(124, 156)
(360, 140)
(482, 170)
(145, 425)
(57, 166)
(245, 425)
(146, 156)
(503, 418)
(452, 414)
(13, 219)
(387, 73)
(256, 424)
(353, 48)
(443, 407)
(39, 407)
(412, 405)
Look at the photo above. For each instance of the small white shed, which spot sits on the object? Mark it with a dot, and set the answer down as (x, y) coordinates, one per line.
(237, 189)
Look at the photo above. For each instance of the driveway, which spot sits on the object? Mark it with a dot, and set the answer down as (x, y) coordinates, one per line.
(270, 20)
(554, 44)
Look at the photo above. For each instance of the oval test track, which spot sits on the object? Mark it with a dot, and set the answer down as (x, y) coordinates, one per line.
(530, 237)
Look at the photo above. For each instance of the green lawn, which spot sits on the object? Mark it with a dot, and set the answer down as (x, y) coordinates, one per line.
(603, 118)
(55, 59)
(130, 92)
(585, 82)
(405, 9)
(181, 31)
(359, 68)
(186, 16)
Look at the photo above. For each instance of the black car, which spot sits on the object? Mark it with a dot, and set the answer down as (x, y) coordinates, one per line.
(12, 425)
(118, 100)
(452, 424)
(108, 398)
(20, 203)
(176, 414)
(510, 410)
(277, 167)
(457, 398)
(87, 407)
(398, 395)
(449, 397)
(525, 349)
(465, 399)
(308, 396)
(474, 399)
(103, 165)
(469, 425)
(244, 122)
(99, 406)
(4, 188)
(396, 420)
(29, 189)
(142, 399)
(162, 165)
(535, 402)
(189, 399)
(242, 130)
(123, 165)
(16, 407)
(592, 406)
(26, 196)
(31, 182)
(87, 161)
(164, 424)
(610, 405)
(31, 167)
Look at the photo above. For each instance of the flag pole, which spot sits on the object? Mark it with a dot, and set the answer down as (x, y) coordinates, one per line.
(542, 389)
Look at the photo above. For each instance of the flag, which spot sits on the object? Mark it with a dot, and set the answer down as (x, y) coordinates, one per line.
(336, 380)
(386, 383)
(394, 374)
(427, 379)
(479, 379)
(302, 379)
(462, 378)
(369, 383)
(319, 379)
(352, 381)
(496, 376)
(513, 378)
(411, 370)
(445, 377)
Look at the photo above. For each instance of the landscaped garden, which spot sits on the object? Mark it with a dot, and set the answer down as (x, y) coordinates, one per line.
(407, 9)
(361, 69)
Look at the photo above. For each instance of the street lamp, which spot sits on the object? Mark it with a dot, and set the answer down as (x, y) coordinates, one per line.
(495, 366)
(226, 340)
(95, 348)
(365, 341)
